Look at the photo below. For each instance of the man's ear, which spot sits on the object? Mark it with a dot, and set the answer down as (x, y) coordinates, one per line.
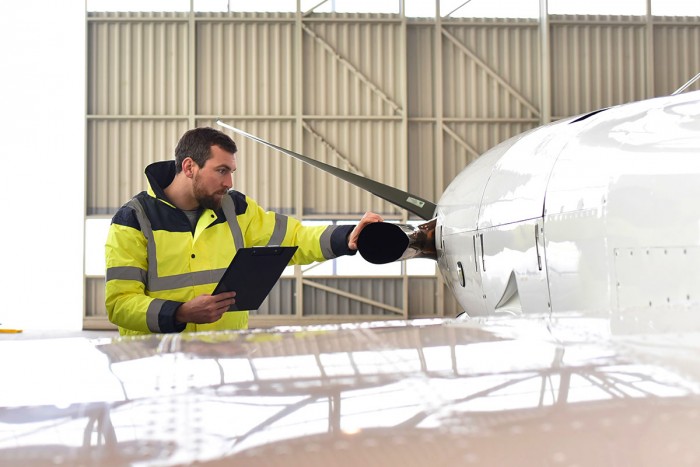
(188, 167)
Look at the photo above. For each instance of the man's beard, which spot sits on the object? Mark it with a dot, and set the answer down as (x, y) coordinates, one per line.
(205, 200)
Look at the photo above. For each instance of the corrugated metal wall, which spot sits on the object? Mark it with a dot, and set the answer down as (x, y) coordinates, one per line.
(605, 56)
(406, 102)
(119, 149)
(676, 53)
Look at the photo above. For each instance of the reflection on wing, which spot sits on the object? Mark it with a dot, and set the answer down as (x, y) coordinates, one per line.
(395, 393)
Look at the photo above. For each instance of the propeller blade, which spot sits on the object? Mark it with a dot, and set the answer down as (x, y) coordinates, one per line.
(419, 206)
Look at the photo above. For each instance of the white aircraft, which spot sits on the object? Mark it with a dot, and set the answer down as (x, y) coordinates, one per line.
(595, 215)
(574, 250)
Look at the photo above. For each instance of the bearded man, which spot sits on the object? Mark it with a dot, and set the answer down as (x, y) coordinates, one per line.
(168, 246)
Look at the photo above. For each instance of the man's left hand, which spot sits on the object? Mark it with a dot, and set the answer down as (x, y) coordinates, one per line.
(367, 219)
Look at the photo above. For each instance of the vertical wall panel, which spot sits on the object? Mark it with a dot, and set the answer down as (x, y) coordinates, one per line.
(490, 92)
(451, 307)
(422, 177)
(319, 302)
(676, 53)
(137, 68)
(117, 153)
(490, 69)
(422, 85)
(280, 302)
(245, 68)
(352, 69)
(95, 297)
(422, 298)
(372, 149)
(420, 41)
(597, 63)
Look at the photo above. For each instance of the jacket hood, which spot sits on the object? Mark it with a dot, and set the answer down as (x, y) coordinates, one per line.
(160, 175)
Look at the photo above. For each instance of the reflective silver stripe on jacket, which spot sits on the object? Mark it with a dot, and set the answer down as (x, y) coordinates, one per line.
(152, 314)
(154, 283)
(325, 241)
(126, 273)
(279, 231)
(165, 283)
(147, 230)
(230, 212)
(150, 278)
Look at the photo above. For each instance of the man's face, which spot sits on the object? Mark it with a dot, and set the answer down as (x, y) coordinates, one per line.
(212, 181)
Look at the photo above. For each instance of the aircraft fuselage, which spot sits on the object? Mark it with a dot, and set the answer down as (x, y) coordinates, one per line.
(596, 214)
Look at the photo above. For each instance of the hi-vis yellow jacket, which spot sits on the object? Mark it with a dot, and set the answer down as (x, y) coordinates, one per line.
(155, 262)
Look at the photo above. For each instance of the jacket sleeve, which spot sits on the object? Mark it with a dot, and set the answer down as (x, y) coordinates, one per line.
(316, 243)
(126, 261)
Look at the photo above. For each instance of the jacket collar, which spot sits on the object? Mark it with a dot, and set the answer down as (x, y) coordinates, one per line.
(160, 175)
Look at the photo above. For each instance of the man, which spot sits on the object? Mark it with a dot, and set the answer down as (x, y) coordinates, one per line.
(167, 247)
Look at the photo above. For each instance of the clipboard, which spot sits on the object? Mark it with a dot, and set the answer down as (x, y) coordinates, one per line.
(253, 272)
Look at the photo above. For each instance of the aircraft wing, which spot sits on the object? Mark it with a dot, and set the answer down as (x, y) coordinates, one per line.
(426, 392)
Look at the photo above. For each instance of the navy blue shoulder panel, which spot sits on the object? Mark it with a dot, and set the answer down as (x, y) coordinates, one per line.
(126, 216)
(238, 201)
(163, 216)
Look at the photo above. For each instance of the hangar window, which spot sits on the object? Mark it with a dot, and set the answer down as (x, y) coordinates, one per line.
(357, 266)
(96, 234)
(96, 230)
(597, 7)
(138, 5)
(413, 8)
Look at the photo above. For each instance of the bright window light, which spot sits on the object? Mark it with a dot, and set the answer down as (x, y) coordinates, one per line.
(138, 5)
(348, 265)
(675, 8)
(211, 5)
(357, 266)
(420, 8)
(96, 235)
(95, 238)
(413, 8)
(490, 9)
(420, 267)
(598, 7)
(355, 6)
(246, 5)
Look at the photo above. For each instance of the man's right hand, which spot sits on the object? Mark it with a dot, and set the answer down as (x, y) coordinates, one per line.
(205, 308)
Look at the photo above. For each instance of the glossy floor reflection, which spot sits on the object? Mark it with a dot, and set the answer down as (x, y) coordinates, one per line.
(394, 393)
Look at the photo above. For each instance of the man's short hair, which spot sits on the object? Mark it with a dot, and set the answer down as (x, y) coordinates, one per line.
(197, 143)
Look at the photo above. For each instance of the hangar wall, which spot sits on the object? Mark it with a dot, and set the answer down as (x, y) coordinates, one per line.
(406, 101)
